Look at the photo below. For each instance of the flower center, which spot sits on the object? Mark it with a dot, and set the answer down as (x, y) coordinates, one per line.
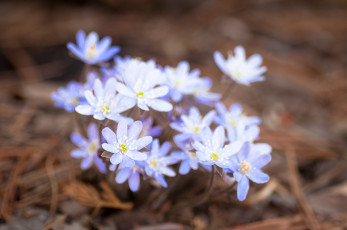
(233, 122)
(105, 109)
(140, 95)
(214, 156)
(123, 148)
(238, 74)
(91, 52)
(244, 167)
(75, 101)
(177, 83)
(153, 164)
(191, 154)
(196, 129)
(93, 147)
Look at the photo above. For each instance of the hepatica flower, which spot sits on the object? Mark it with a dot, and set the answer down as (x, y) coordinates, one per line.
(239, 126)
(157, 162)
(90, 50)
(187, 156)
(125, 145)
(69, 97)
(238, 68)
(246, 165)
(180, 80)
(139, 85)
(211, 149)
(201, 92)
(103, 101)
(192, 125)
(88, 149)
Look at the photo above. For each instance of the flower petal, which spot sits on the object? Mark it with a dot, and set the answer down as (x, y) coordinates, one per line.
(109, 135)
(143, 142)
(258, 176)
(242, 188)
(116, 158)
(123, 175)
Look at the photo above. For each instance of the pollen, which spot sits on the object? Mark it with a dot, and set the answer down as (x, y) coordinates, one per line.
(214, 156)
(238, 74)
(191, 154)
(123, 148)
(233, 122)
(105, 109)
(244, 167)
(75, 101)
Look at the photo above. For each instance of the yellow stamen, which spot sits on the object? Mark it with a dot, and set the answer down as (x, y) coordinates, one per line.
(214, 156)
(105, 109)
(153, 164)
(123, 148)
(140, 95)
(91, 51)
(244, 167)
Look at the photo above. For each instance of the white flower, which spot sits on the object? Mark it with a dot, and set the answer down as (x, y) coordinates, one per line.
(140, 81)
(104, 103)
(240, 69)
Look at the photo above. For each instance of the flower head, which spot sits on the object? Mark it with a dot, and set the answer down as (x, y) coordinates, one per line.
(157, 163)
(238, 68)
(139, 85)
(104, 103)
(192, 125)
(180, 80)
(239, 126)
(88, 149)
(212, 151)
(90, 50)
(246, 165)
(187, 156)
(202, 92)
(69, 97)
(125, 145)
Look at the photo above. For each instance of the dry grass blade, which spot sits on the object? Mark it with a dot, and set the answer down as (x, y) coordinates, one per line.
(297, 191)
(89, 196)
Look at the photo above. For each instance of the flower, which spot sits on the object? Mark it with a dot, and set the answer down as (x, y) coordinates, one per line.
(125, 145)
(148, 129)
(180, 81)
(69, 97)
(240, 69)
(211, 151)
(187, 156)
(140, 79)
(88, 149)
(239, 126)
(192, 124)
(132, 174)
(202, 92)
(157, 162)
(246, 165)
(90, 50)
(104, 103)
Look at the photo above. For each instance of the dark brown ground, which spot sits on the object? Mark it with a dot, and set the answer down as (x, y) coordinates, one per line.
(302, 104)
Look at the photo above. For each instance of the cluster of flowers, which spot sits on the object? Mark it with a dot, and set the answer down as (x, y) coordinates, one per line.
(114, 91)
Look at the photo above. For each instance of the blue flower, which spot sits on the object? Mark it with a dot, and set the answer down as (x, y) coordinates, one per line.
(239, 126)
(240, 69)
(192, 125)
(148, 129)
(246, 165)
(69, 97)
(125, 146)
(90, 50)
(104, 103)
(180, 81)
(139, 85)
(132, 174)
(157, 162)
(88, 149)
(211, 149)
(202, 92)
(187, 156)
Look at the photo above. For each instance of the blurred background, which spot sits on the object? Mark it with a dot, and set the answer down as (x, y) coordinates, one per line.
(302, 104)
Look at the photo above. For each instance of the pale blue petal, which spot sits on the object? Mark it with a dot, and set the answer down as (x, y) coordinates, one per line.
(260, 161)
(218, 137)
(98, 89)
(242, 188)
(100, 164)
(110, 87)
(158, 92)
(90, 97)
(109, 135)
(134, 182)
(109, 53)
(255, 60)
(122, 130)
(135, 130)
(115, 158)
(143, 142)
(123, 175)
(109, 148)
(159, 105)
(93, 132)
(127, 162)
(104, 44)
(91, 39)
(219, 59)
(137, 156)
(80, 37)
(86, 162)
(78, 140)
(85, 109)
(161, 180)
(244, 152)
(75, 50)
(258, 176)
(185, 167)
(124, 90)
(165, 147)
(78, 153)
(169, 172)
